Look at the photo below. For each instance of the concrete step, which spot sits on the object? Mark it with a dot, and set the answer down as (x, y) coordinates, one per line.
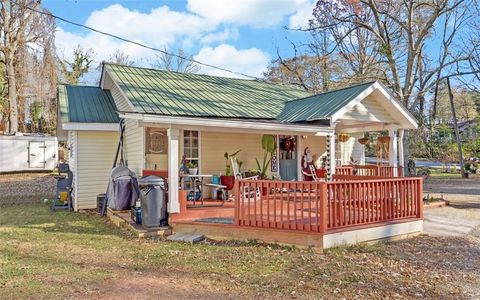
(186, 238)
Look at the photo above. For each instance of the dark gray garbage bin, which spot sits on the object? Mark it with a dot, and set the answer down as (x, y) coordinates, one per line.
(153, 201)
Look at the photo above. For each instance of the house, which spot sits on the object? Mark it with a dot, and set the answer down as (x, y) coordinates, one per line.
(169, 114)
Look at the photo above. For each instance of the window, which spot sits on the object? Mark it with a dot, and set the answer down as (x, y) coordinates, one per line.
(191, 146)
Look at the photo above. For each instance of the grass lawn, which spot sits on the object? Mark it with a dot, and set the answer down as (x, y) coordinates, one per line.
(77, 255)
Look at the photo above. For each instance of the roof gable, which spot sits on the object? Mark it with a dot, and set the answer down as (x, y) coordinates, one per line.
(320, 106)
(86, 104)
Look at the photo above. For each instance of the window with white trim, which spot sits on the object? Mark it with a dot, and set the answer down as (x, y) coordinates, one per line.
(191, 146)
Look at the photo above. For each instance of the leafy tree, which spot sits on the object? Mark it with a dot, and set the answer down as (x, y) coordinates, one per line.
(80, 64)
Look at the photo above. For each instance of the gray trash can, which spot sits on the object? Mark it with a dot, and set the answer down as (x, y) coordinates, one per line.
(153, 201)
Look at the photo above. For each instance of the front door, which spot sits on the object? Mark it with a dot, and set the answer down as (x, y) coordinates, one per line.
(36, 155)
(288, 157)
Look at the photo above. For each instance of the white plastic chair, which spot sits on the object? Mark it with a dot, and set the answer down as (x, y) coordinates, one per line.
(247, 193)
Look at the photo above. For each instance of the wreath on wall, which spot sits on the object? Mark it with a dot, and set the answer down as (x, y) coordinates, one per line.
(287, 144)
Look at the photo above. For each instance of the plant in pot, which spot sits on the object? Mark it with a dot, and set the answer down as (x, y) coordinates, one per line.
(192, 168)
(228, 179)
(269, 147)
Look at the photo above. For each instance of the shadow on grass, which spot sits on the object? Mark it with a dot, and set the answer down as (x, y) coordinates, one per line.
(39, 216)
(466, 205)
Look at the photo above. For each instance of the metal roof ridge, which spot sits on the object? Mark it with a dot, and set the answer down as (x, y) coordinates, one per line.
(332, 91)
(293, 87)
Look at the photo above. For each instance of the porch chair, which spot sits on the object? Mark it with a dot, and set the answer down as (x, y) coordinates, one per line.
(247, 193)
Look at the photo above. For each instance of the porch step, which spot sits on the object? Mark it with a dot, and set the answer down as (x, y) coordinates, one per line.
(186, 238)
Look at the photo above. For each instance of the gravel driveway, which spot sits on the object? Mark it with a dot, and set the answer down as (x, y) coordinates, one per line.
(24, 188)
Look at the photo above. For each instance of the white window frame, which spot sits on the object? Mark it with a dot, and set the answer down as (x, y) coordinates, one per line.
(182, 149)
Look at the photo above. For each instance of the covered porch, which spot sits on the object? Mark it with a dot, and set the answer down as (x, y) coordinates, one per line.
(346, 196)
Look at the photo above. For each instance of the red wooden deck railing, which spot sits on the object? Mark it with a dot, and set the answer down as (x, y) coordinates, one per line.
(370, 170)
(323, 206)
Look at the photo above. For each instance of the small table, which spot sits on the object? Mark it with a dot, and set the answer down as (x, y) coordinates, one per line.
(198, 184)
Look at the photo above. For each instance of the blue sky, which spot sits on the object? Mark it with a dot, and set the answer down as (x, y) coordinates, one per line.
(238, 35)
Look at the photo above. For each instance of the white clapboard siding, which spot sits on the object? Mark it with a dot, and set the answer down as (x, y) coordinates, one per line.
(351, 148)
(94, 159)
(121, 103)
(133, 146)
(134, 135)
(369, 110)
(72, 161)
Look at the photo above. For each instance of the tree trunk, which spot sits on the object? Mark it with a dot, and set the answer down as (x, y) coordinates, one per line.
(455, 126)
(12, 93)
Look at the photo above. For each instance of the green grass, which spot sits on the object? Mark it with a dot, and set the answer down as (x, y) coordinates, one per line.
(59, 255)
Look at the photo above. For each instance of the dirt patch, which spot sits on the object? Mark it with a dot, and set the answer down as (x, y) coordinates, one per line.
(140, 286)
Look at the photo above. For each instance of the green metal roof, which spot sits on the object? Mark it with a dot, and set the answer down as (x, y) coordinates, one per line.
(181, 94)
(86, 104)
(320, 106)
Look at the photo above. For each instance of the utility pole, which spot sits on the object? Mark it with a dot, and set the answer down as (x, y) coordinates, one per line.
(455, 126)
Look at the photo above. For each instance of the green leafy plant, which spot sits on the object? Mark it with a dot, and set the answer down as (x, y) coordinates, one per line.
(228, 168)
(191, 165)
(269, 147)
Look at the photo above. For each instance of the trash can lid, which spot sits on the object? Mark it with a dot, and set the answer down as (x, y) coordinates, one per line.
(151, 180)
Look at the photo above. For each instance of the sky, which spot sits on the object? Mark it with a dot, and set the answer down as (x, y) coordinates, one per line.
(239, 35)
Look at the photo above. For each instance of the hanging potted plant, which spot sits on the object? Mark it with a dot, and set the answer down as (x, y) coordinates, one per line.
(364, 141)
(228, 179)
(383, 139)
(343, 137)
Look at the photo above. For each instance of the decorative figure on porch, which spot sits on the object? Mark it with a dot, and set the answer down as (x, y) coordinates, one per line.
(307, 165)
(288, 144)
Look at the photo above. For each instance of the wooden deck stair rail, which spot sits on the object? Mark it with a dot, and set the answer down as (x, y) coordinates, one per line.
(324, 206)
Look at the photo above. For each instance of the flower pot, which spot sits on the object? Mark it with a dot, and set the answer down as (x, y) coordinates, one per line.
(250, 174)
(193, 171)
(364, 141)
(228, 181)
(383, 139)
(321, 173)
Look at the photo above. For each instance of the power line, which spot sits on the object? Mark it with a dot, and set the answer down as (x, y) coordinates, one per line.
(135, 43)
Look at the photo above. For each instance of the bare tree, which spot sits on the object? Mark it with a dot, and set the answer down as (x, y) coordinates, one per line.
(16, 28)
(120, 58)
(178, 63)
(398, 34)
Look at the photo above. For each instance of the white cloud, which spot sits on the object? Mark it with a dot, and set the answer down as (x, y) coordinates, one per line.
(221, 36)
(303, 15)
(254, 13)
(251, 61)
(204, 22)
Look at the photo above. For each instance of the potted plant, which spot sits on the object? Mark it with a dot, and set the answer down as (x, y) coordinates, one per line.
(251, 173)
(192, 168)
(269, 147)
(384, 139)
(228, 179)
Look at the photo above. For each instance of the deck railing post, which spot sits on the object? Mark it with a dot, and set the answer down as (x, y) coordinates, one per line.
(420, 198)
(323, 206)
(237, 202)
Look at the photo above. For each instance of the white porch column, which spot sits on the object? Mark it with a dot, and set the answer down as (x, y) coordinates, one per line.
(330, 155)
(392, 155)
(401, 161)
(173, 169)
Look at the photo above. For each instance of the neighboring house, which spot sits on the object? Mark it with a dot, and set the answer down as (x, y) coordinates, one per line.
(468, 130)
(169, 114)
